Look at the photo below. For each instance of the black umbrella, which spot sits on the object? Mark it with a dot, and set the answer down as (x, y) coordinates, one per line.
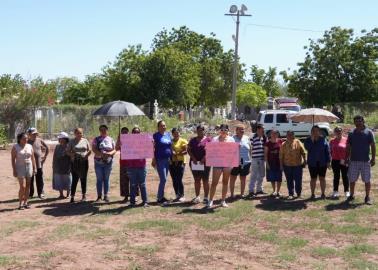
(118, 109)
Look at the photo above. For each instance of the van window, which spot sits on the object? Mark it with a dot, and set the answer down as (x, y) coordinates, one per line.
(268, 118)
(282, 118)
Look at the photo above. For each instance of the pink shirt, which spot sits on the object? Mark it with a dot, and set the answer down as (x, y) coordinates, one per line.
(338, 148)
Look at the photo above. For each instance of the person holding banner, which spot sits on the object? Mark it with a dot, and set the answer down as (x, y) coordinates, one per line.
(162, 157)
(218, 171)
(197, 153)
(137, 172)
(104, 148)
(124, 181)
(177, 166)
(245, 161)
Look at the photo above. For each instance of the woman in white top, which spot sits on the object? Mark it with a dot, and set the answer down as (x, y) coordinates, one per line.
(218, 171)
(24, 167)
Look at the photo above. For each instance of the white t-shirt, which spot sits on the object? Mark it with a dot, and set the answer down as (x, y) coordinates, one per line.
(227, 139)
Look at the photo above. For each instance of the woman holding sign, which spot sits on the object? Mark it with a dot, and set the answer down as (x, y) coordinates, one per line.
(162, 156)
(218, 171)
(177, 167)
(197, 153)
(136, 172)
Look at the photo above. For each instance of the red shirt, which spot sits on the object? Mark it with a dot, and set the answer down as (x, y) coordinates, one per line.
(338, 148)
(274, 153)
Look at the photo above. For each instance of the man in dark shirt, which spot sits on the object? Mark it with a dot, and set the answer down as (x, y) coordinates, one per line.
(41, 151)
(360, 142)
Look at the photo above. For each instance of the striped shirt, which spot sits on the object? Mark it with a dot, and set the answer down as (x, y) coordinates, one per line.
(258, 147)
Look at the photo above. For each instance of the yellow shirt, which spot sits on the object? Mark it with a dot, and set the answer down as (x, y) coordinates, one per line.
(178, 146)
(291, 153)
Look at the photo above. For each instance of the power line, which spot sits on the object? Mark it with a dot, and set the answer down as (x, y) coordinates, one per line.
(284, 28)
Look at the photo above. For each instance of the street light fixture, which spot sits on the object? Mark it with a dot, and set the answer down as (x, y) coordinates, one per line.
(235, 11)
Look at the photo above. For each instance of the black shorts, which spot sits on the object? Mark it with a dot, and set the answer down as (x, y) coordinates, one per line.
(242, 171)
(202, 174)
(317, 171)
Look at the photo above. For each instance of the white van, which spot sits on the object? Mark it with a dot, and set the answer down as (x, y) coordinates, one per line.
(279, 120)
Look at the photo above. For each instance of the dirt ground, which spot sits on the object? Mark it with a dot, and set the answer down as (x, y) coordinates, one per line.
(263, 233)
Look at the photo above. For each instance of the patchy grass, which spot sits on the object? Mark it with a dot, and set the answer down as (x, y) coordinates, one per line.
(8, 229)
(324, 252)
(47, 256)
(165, 226)
(146, 249)
(286, 256)
(6, 261)
(356, 250)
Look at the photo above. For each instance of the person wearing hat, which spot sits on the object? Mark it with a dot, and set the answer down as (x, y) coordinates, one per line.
(41, 151)
(62, 166)
(338, 155)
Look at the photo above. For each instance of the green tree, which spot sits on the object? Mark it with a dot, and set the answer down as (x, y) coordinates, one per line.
(19, 98)
(215, 64)
(122, 78)
(250, 94)
(267, 80)
(338, 67)
(170, 76)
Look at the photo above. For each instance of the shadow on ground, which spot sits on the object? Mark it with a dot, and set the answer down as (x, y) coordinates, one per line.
(272, 204)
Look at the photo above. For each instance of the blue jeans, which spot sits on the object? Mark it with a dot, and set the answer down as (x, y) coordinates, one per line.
(162, 166)
(103, 171)
(137, 178)
(293, 176)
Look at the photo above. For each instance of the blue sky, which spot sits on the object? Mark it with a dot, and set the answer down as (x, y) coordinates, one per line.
(55, 38)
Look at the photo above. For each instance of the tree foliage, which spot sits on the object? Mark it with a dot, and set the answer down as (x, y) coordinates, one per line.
(339, 67)
(251, 94)
(267, 80)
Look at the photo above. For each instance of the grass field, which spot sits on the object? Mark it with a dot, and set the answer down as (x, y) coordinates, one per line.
(263, 233)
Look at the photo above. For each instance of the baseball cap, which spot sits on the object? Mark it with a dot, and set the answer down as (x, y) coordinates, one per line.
(32, 130)
(63, 135)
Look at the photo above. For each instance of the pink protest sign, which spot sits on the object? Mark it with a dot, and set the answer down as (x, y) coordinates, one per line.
(136, 146)
(222, 154)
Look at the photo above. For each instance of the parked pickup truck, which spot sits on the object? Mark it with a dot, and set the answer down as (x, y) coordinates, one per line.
(279, 120)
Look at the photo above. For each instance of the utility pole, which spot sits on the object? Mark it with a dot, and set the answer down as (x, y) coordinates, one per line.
(234, 11)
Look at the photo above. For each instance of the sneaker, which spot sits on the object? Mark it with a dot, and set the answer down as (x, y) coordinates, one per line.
(350, 198)
(21, 207)
(312, 197)
(106, 198)
(162, 200)
(278, 195)
(205, 200)
(290, 197)
(323, 197)
(273, 194)
(252, 194)
(368, 201)
(125, 200)
(27, 206)
(84, 198)
(145, 205)
(42, 196)
(209, 204)
(98, 199)
(335, 195)
(197, 200)
(181, 199)
(347, 194)
(224, 204)
(243, 197)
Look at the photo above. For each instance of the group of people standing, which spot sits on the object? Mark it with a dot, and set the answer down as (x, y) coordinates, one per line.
(263, 155)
